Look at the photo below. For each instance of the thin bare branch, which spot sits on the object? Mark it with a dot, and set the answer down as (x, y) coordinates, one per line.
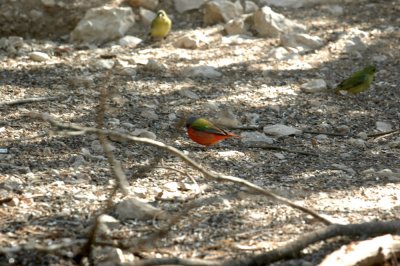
(29, 100)
(210, 174)
(291, 250)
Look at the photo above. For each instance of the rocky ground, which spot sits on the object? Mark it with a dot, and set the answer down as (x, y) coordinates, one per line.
(51, 186)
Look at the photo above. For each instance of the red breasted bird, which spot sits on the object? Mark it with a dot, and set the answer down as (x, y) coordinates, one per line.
(204, 132)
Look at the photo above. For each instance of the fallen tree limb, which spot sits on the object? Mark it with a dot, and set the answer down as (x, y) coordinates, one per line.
(292, 249)
(29, 100)
(376, 251)
(209, 174)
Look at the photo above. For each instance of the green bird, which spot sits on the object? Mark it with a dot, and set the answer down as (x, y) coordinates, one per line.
(160, 26)
(358, 82)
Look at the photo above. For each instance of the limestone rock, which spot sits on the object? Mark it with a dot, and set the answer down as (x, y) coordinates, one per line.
(129, 41)
(315, 85)
(132, 208)
(149, 4)
(281, 130)
(186, 5)
(203, 72)
(146, 16)
(103, 24)
(39, 56)
(271, 24)
(301, 41)
(221, 11)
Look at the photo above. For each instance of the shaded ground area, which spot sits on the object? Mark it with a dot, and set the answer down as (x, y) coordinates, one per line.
(58, 194)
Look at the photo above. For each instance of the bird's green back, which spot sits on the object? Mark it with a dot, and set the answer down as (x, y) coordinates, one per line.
(358, 81)
(202, 124)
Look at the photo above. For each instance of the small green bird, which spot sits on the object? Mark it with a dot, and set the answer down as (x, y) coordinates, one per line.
(358, 82)
(160, 26)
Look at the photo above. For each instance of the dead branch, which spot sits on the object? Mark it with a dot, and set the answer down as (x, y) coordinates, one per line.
(29, 100)
(325, 133)
(209, 174)
(272, 147)
(369, 252)
(120, 179)
(291, 250)
(381, 134)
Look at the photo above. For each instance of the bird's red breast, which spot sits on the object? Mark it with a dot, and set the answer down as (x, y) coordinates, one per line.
(206, 138)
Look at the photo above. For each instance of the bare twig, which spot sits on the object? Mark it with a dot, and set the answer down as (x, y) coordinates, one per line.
(272, 147)
(292, 249)
(381, 134)
(210, 174)
(325, 133)
(29, 100)
(118, 173)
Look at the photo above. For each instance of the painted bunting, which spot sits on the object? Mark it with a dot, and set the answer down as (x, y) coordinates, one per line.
(204, 132)
(160, 26)
(358, 82)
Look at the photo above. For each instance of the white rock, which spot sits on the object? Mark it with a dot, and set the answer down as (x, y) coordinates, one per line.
(301, 41)
(48, 3)
(360, 143)
(237, 26)
(352, 41)
(203, 72)
(186, 5)
(221, 11)
(153, 65)
(149, 114)
(143, 133)
(383, 126)
(281, 130)
(39, 56)
(149, 4)
(343, 129)
(171, 186)
(279, 155)
(12, 183)
(103, 24)
(333, 9)
(132, 208)
(362, 135)
(271, 24)
(321, 137)
(255, 138)
(107, 219)
(315, 85)
(78, 161)
(228, 154)
(130, 41)
(128, 71)
(250, 7)
(189, 94)
(112, 256)
(146, 16)
(387, 173)
(103, 63)
(343, 167)
(192, 41)
(281, 53)
(140, 192)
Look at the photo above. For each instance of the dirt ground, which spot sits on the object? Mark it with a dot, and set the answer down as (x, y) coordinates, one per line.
(54, 193)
